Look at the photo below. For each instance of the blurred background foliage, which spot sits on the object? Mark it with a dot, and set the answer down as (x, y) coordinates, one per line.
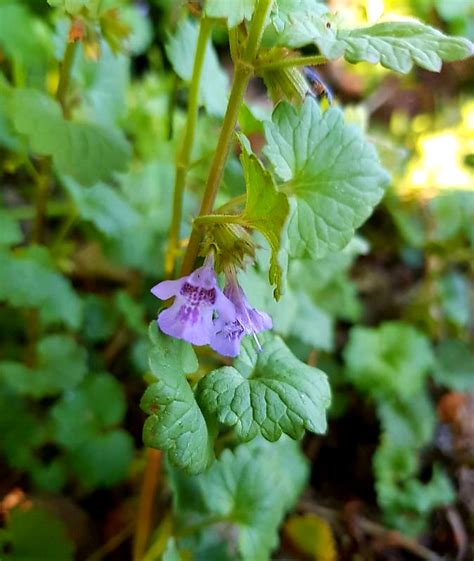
(389, 317)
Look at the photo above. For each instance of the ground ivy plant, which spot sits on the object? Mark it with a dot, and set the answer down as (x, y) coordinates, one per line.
(239, 271)
(316, 181)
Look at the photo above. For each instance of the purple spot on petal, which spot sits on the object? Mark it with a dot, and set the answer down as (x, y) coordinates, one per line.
(196, 295)
(188, 313)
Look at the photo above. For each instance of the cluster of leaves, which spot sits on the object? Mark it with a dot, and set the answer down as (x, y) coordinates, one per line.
(390, 364)
(100, 162)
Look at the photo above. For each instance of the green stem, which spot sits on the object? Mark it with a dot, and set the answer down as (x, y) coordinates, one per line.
(243, 73)
(65, 76)
(42, 191)
(217, 219)
(65, 229)
(313, 60)
(234, 43)
(184, 155)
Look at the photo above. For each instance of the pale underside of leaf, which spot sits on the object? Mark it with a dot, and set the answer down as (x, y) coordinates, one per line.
(396, 45)
(234, 11)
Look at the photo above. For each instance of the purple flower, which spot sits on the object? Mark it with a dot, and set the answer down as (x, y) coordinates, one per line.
(228, 333)
(197, 297)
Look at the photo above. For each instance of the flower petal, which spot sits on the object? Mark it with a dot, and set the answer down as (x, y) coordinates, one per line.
(168, 288)
(191, 324)
(224, 307)
(227, 337)
(260, 321)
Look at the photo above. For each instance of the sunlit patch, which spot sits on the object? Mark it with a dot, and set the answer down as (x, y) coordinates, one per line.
(440, 161)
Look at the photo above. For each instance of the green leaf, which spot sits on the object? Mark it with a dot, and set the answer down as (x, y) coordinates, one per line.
(171, 553)
(406, 501)
(104, 459)
(455, 295)
(408, 422)
(61, 364)
(27, 40)
(283, 313)
(29, 280)
(170, 356)
(21, 430)
(104, 95)
(10, 232)
(141, 247)
(176, 423)
(312, 325)
(313, 276)
(294, 21)
(50, 476)
(454, 367)
(133, 312)
(266, 210)
(327, 283)
(234, 11)
(36, 534)
(249, 489)
(87, 152)
(251, 119)
(73, 7)
(151, 200)
(105, 207)
(389, 361)
(269, 392)
(141, 29)
(334, 175)
(8, 137)
(396, 45)
(100, 319)
(181, 50)
(83, 413)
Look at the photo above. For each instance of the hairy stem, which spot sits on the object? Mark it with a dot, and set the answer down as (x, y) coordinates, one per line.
(184, 154)
(313, 60)
(217, 219)
(243, 73)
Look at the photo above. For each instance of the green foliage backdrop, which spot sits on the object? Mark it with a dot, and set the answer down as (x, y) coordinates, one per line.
(137, 137)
